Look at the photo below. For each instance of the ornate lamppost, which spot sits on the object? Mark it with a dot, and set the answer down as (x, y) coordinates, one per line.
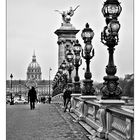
(109, 37)
(49, 99)
(77, 61)
(87, 54)
(12, 102)
(20, 89)
(70, 67)
(63, 78)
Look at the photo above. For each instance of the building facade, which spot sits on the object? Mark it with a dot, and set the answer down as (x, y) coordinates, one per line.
(34, 78)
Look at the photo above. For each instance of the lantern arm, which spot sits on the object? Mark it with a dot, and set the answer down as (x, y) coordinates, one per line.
(80, 62)
(102, 38)
(74, 63)
(92, 54)
(83, 54)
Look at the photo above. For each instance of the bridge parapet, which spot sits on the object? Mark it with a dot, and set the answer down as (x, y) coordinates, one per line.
(110, 122)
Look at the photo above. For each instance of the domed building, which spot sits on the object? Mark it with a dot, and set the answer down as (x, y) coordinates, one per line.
(34, 70)
(34, 78)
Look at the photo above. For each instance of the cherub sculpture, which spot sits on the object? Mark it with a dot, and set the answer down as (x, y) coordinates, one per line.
(66, 15)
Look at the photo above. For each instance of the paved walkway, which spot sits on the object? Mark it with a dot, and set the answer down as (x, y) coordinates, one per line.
(46, 122)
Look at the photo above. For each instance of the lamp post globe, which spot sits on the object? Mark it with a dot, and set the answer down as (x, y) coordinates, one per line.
(114, 26)
(11, 76)
(69, 56)
(77, 48)
(87, 35)
(63, 65)
(111, 10)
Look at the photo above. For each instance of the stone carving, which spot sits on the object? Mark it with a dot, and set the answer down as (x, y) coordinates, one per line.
(128, 129)
(73, 104)
(102, 118)
(66, 15)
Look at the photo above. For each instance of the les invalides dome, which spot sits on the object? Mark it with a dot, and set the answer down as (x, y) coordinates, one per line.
(34, 70)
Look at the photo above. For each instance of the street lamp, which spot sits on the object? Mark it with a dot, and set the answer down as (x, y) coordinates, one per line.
(63, 65)
(87, 36)
(109, 37)
(12, 102)
(111, 10)
(63, 77)
(77, 62)
(69, 58)
(20, 88)
(49, 99)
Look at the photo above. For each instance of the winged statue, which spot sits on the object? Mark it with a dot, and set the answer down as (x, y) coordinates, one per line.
(66, 15)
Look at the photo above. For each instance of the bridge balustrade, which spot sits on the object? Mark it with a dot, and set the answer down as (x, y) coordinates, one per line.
(110, 122)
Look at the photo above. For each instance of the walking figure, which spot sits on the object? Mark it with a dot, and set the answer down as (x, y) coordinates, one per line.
(49, 99)
(67, 97)
(32, 97)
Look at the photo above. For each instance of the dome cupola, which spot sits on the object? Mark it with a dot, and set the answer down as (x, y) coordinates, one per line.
(34, 70)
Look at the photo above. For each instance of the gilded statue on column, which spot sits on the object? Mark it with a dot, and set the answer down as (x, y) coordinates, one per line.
(66, 15)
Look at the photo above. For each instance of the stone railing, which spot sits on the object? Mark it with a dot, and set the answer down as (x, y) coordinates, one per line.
(111, 122)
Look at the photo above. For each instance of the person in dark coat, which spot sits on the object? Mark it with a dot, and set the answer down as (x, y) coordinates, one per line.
(67, 97)
(32, 97)
(49, 99)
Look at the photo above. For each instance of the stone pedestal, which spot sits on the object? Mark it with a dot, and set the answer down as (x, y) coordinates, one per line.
(77, 88)
(66, 37)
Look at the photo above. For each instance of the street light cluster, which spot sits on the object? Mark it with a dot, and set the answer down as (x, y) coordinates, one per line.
(109, 37)
(73, 59)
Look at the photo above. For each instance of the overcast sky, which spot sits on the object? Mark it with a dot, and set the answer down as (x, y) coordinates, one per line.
(31, 25)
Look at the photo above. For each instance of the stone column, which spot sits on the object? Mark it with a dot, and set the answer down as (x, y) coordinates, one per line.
(66, 38)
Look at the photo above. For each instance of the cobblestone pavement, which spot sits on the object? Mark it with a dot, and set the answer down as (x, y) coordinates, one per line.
(46, 122)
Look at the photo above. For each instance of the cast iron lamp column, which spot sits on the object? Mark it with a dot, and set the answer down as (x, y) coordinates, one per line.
(109, 37)
(49, 86)
(70, 67)
(63, 75)
(87, 35)
(12, 102)
(20, 89)
(77, 62)
(60, 72)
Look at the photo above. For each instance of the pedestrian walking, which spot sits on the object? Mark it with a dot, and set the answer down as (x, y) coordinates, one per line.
(67, 97)
(32, 97)
(49, 99)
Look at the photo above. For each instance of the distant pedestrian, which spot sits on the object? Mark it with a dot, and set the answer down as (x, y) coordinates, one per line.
(32, 97)
(49, 99)
(43, 100)
(67, 97)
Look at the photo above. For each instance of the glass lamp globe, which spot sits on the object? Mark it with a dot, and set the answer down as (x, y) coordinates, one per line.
(88, 47)
(77, 57)
(69, 56)
(111, 9)
(60, 70)
(87, 33)
(77, 47)
(114, 26)
(63, 64)
(11, 76)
